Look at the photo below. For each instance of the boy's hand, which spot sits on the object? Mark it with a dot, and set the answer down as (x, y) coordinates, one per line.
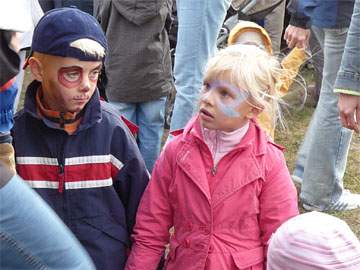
(7, 98)
(297, 37)
(349, 109)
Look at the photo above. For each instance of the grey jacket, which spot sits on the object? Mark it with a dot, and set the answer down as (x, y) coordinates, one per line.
(138, 65)
(348, 78)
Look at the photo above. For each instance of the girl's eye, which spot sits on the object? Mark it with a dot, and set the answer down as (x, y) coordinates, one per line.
(224, 93)
(72, 76)
(205, 87)
(94, 75)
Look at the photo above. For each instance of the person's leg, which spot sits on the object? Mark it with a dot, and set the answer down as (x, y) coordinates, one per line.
(298, 173)
(274, 25)
(151, 117)
(199, 24)
(328, 146)
(32, 236)
(128, 110)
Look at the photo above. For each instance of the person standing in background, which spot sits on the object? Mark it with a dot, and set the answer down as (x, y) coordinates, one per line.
(322, 157)
(36, 13)
(274, 25)
(138, 68)
(84, 5)
(199, 25)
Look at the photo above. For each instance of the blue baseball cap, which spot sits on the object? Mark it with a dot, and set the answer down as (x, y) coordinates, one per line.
(58, 28)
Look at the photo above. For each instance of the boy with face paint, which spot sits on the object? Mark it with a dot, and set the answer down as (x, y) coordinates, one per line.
(70, 146)
(31, 234)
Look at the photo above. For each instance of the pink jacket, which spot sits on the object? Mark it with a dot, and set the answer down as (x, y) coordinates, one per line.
(228, 229)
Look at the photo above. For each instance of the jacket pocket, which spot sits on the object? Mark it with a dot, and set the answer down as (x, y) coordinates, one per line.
(249, 259)
(100, 226)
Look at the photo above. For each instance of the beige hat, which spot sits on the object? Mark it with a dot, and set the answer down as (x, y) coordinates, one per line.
(237, 34)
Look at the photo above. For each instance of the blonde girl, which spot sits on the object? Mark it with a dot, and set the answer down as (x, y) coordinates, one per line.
(222, 183)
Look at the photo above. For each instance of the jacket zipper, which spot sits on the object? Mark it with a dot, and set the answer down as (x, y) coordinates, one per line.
(214, 168)
(62, 120)
(61, 177)
(61, 170)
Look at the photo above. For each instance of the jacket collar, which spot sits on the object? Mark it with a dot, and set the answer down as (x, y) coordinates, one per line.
(255, 137)
(233, 178)
(91, 112)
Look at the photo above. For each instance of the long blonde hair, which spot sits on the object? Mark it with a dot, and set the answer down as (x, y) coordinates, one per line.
(252, 70)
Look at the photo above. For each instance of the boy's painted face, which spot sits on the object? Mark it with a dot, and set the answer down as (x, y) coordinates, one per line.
(223, 106)
(68, 83)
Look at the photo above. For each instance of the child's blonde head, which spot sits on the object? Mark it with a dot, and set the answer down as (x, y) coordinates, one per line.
(252, 70)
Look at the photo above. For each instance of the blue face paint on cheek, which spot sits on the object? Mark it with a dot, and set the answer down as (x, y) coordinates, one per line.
(229, 97)
(228, 110)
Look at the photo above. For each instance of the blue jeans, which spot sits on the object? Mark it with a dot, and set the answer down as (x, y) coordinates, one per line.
(31, 234)
(199, 25)
(322, 158)
(150, 117)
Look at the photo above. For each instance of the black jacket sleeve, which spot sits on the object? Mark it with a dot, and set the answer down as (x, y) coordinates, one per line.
(298, 17)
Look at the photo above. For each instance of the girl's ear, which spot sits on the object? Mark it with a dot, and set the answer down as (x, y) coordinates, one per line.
(36, 68)
(253, 112)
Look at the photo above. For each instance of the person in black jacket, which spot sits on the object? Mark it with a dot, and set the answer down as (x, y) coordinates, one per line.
(84, 5)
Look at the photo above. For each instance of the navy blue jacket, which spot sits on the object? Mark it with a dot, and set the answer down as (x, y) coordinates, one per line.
(321, 13)
(93, 179)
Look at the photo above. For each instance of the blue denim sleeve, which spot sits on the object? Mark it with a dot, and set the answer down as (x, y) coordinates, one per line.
(31, 235)
(348, 78)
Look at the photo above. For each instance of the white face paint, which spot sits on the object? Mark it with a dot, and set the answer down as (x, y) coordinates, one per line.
(227, 96)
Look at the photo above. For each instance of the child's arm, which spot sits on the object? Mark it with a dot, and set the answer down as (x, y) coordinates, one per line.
(153, 220)
(129, 174)
(278, 198)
